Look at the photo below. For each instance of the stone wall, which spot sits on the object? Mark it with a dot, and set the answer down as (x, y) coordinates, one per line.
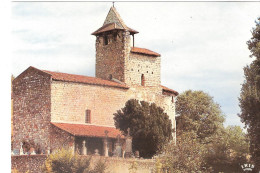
(110, 58)
(71, 100)
(23, 163)
(36, 105)
(33, 163)
(59, 138)
(121, 165)
(115, 60)
(31, 108)
(138, 65)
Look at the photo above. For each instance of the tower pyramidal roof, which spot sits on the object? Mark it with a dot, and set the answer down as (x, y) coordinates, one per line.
(113, 21)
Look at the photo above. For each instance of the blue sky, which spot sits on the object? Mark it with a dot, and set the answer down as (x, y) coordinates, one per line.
(202, 44)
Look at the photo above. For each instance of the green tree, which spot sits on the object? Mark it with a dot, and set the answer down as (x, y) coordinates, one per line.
(149, 126)
(185, 156)
(250, 95)
(198, 113)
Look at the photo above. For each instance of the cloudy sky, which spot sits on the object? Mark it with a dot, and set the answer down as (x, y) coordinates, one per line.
(203, 44)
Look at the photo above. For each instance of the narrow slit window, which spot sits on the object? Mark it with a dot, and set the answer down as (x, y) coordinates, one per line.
(110, 76)
(88, 116)
(142, 80)
(106, 40)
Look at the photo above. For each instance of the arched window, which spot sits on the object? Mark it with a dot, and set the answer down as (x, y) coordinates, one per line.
(142, 80)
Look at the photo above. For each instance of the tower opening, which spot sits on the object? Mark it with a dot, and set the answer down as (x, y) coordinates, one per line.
(105, 40)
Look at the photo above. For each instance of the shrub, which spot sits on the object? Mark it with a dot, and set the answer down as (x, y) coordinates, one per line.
(64, 160)
(16, 171)
(185, 156)
(100, 167)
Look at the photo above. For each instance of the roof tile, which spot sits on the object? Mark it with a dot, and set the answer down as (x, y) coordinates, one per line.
(144, 51)
(83, 79)
(113, 21)
(169, 90)
(89, 130)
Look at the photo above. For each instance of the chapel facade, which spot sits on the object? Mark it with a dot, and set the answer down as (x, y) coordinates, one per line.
(57, 109)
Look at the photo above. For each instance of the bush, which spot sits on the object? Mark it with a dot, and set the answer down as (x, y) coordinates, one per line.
(185, 156)
(63, 160)
(100, 167)
(16, 171)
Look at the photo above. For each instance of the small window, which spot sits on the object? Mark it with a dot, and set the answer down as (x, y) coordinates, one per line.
(98, 39)
(172, 99)
(142, 80)
(110, 76)
(115, 36)
(106, 40)
(88, 116)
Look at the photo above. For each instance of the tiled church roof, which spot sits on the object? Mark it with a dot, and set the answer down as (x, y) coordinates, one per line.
(169, 90)
(144, 51)
(89, 130)
(88, 80)
(83, 79)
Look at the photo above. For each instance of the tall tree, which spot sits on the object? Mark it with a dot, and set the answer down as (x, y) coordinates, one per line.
(250, 95)
(149, 126)
(225, 148)
(198, 113)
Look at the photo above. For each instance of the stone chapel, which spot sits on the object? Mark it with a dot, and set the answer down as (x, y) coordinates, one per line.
(57, 109)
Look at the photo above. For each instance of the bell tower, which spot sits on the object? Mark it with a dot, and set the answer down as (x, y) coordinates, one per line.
(113, 46)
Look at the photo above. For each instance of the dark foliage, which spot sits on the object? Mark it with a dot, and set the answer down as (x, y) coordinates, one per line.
(149, 126)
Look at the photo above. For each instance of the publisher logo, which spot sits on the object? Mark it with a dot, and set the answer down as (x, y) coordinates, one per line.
(247, 167)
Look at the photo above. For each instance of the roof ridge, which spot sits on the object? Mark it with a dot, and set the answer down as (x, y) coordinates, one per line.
(80, 123)
(60, 76)
(144, 51)
(169, 90)
(46, 71)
